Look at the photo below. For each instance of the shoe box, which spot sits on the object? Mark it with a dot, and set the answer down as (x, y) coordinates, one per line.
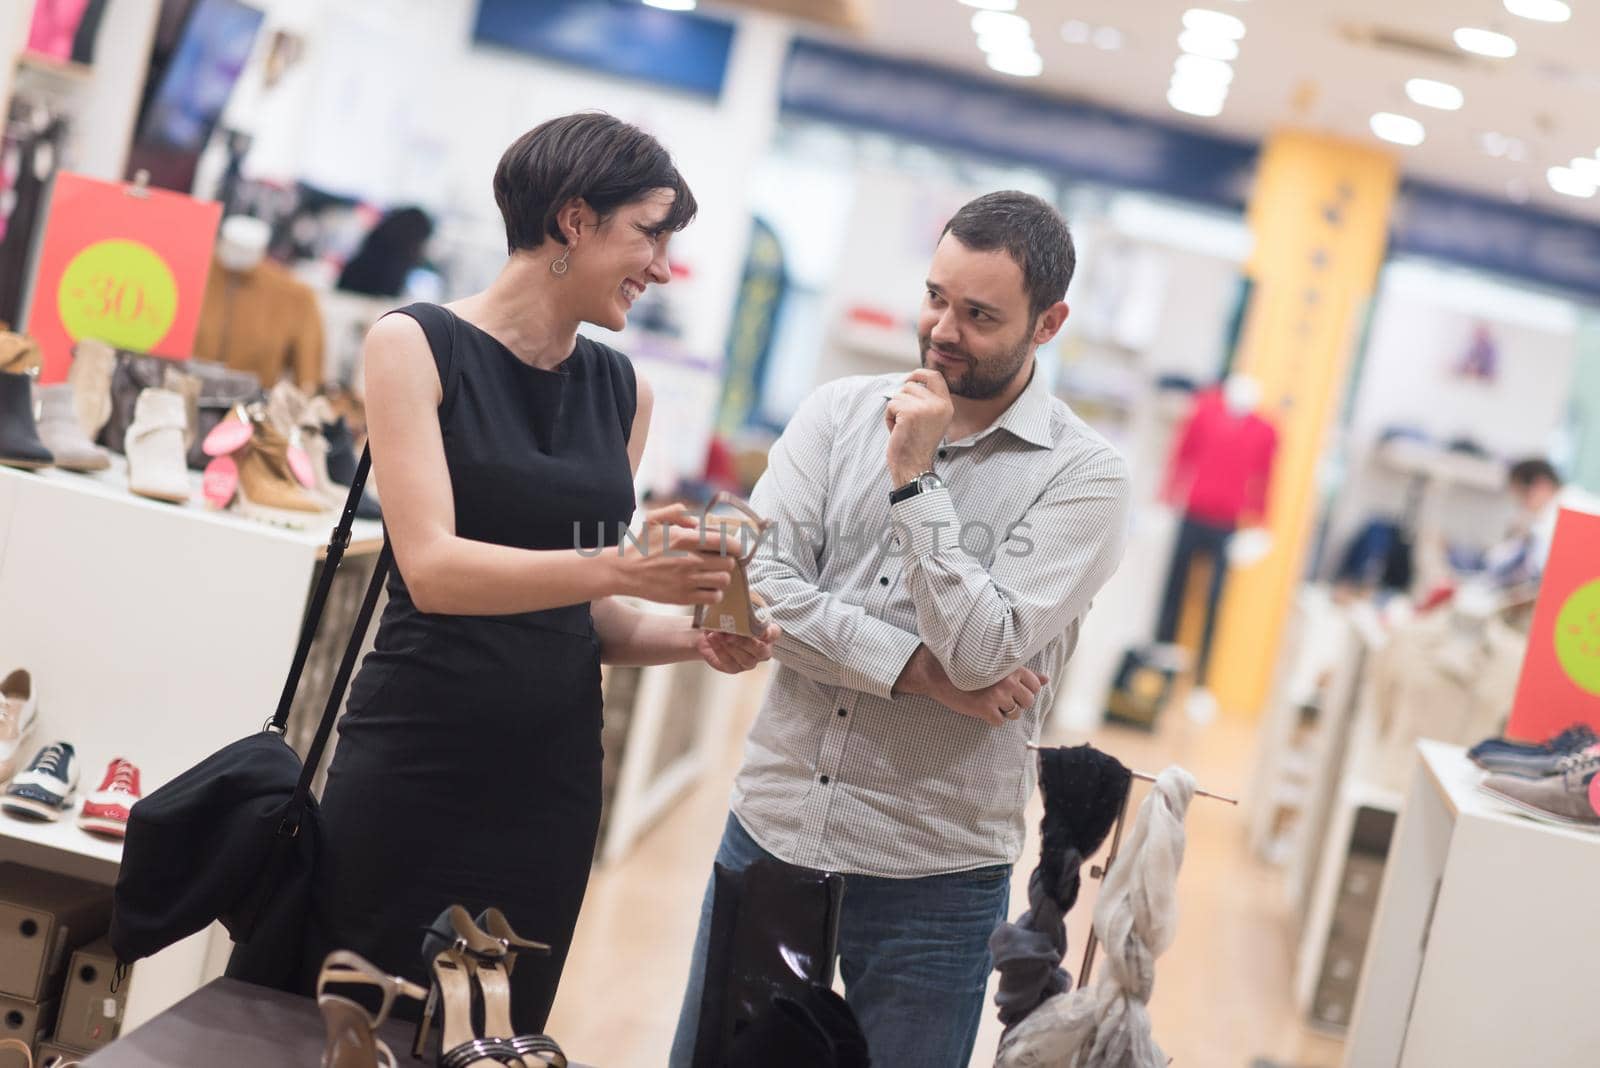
(29, 1021)
(55, 1055)
(1354, 909)
(43, 918)
(91, 1012)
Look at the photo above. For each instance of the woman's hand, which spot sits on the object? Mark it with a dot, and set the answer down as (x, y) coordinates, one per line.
(732, 653)
(671, 560)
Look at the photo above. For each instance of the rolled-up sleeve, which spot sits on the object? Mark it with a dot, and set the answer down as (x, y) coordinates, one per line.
(982, 623)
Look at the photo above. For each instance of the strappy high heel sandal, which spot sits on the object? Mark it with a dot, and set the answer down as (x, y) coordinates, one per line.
(465, 956)
(536, 1050)
(352, 1031)
(736, 613)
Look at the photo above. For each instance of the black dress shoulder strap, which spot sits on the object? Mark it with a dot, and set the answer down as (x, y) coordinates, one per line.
(439, 327)
(624, 384)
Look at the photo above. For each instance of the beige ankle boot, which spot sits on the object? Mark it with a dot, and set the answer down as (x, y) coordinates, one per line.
(63, 435)
(268, 490)
(90, 378)
(154, 447)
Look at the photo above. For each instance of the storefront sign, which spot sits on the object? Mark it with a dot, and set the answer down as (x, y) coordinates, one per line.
(122, 266)
(1560, 684)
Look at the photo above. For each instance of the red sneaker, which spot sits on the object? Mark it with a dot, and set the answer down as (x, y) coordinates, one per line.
(106, 810)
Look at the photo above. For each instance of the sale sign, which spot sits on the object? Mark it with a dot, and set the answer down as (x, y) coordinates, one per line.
(1560, 683)
(122, 265)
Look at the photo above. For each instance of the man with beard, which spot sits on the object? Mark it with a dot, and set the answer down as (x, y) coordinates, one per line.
(938, 537)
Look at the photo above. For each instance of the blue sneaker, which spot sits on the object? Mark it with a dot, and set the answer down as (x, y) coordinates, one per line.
(48, 788)
(1528, 760)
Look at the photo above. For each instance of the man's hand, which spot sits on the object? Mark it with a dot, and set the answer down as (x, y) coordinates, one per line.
(994, 705)
(917, 418)
(732, 654)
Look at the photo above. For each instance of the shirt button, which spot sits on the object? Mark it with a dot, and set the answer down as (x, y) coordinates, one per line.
(844, 711)
(824, 780)
(943, 453)
(883, 580)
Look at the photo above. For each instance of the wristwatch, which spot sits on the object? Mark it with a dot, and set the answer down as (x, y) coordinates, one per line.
(923, 483)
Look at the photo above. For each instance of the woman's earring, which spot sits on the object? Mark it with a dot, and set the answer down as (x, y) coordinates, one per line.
(559, 267)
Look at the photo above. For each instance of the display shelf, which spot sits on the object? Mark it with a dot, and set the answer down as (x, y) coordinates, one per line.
(63, 69)
(64, 836)
(1421, 459)
(1477, 950)
(894, 347)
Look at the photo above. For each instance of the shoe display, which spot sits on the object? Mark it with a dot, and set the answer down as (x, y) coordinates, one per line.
(93, 363)
(1571, 796)
(19, 712)
(352, 1029)
(48, 788)
(157, 466)
(19, 430)
(63, 435)
(268, 488)
(1531, 760)
(106, 810)
(19, 354)
(342, 463)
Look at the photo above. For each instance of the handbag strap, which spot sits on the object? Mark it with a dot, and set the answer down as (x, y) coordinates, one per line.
(337, 544)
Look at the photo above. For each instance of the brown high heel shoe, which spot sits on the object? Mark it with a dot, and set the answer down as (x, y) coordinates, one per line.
(352, 1031)
(736, 613)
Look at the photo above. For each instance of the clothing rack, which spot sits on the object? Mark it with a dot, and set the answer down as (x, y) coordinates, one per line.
(1099, 871)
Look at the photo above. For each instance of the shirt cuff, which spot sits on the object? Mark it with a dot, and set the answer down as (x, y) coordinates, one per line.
(929, 521)
(878, 654)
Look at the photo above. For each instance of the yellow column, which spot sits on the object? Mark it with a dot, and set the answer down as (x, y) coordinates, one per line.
(1320, 219)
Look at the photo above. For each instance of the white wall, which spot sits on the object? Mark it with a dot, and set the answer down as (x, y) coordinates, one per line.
(395, 103)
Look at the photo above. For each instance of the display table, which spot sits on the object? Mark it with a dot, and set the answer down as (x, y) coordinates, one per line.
(153, 632)
(242, 1026)
(1482, 950)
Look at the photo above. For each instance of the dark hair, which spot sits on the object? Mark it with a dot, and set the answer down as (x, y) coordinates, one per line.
(591, 155)
(388, 253)
(1031, 231)
(1525, 473)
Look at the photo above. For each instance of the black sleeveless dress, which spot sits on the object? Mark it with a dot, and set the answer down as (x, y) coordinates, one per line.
(468, 763)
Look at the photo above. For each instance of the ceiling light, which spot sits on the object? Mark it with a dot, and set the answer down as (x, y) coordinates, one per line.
(1000, 24)
(1568, 182)
(1076, 32)
(1485, 43)
(671, 5)
(1108, 38)
(992, 45)
(1195, 103)
(1201, 69)
(1587, 167)
(1540, 10)
(1215, 23)
(1209, 45)
(1398, 129)
(1432, 94)
(992, 5)
(1018, 64)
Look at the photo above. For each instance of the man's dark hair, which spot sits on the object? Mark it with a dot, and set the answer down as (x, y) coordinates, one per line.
(1525, 473)
(591, 155)
(1031, 231)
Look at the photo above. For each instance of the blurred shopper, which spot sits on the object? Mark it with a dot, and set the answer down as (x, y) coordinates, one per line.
(468, 764)
(969, 518)
(388, 254)
(1539, 495)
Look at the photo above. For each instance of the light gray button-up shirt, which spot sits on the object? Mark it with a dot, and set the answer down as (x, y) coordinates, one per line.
(993, 573)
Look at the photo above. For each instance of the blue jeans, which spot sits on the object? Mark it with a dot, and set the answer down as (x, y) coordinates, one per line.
(914, 955)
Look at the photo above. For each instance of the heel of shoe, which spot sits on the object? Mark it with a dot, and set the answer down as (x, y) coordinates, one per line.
(419, 1044)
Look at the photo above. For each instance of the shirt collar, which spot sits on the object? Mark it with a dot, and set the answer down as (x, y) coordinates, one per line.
(1028, 417)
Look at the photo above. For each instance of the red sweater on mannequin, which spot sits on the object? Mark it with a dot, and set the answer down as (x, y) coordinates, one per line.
(1222, 464)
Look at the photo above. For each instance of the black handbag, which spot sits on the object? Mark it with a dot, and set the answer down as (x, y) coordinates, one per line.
(235, 838)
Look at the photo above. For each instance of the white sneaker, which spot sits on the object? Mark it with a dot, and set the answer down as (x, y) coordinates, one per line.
(157, 462)
(48, 788)
(19, 712)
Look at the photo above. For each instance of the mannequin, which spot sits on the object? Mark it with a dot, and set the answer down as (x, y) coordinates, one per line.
(257, 316)
(1218, 479)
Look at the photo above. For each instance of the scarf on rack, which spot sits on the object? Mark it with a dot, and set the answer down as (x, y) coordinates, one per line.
(1108, 1025)
(1084, 790)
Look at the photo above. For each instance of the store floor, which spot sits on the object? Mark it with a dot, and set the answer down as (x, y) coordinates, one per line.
(1222, 997)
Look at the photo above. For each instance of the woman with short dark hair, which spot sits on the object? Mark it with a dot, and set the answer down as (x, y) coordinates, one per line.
(468, 766)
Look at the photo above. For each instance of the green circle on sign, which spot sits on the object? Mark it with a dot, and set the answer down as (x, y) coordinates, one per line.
(1578, 638)
(120, 292)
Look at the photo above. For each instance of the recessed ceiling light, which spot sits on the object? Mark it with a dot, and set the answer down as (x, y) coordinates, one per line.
(1568, 182)
(1019, 64)
(1587, 167)
(1108, 38)
(1501, 146)
(1398, 129)
(1540, 10)
(1432, 94)
(1202, 69)
(1211, 46)
(992, 5)
(1000, 24)
(992, 45)
(1191, 102)
(1076, 32)
(1204, 20)
(1485, 43)
(671, 5)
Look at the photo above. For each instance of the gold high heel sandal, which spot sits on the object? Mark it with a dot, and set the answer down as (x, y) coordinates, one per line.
(536, 1050)
(736, 612)
(352, 1030)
